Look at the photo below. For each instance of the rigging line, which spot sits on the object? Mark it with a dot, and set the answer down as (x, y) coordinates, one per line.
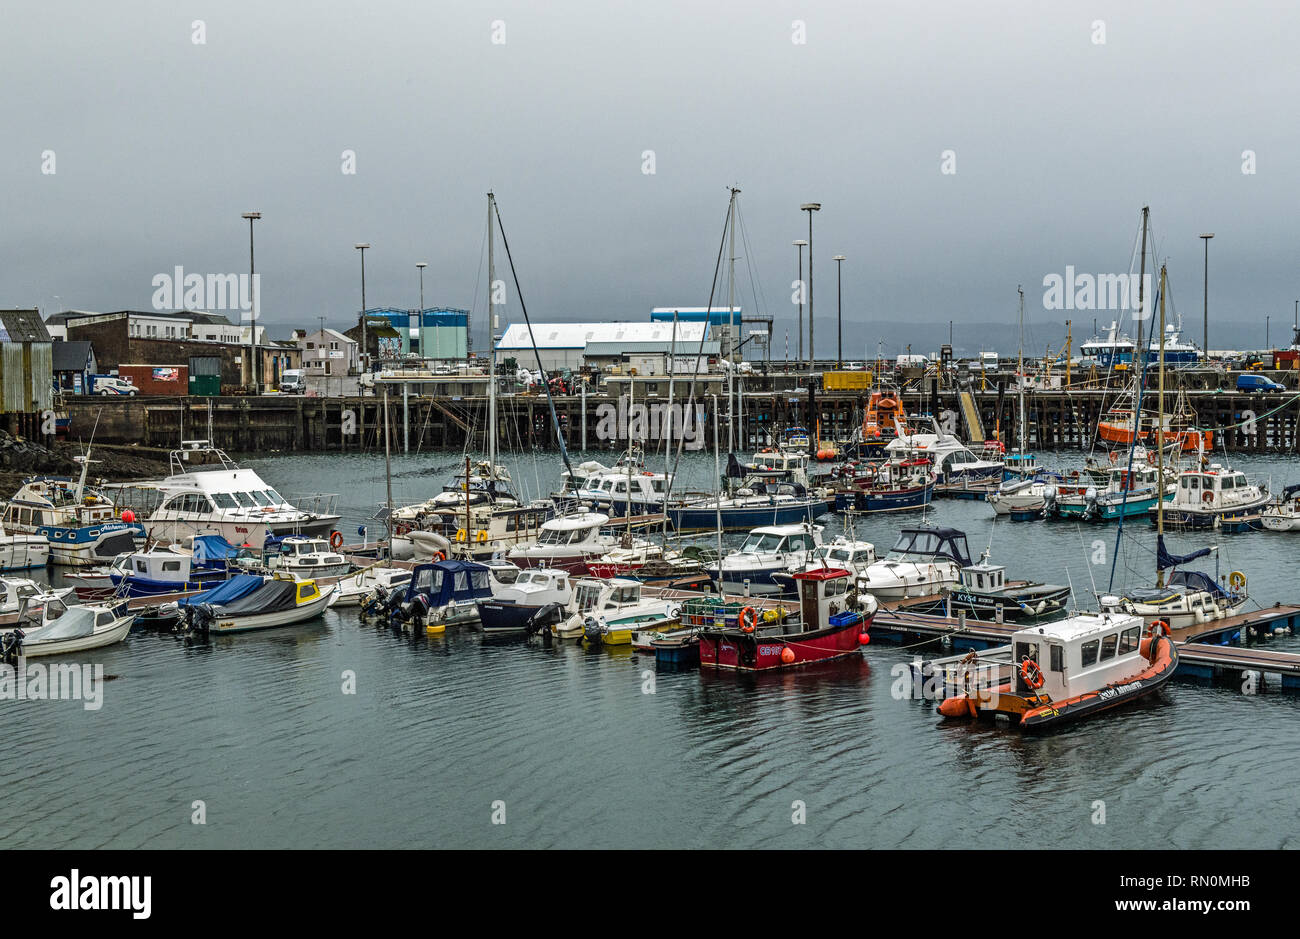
(1128, 477)
(755, 286)
(478, 276)
(690, 391)
(550, 401)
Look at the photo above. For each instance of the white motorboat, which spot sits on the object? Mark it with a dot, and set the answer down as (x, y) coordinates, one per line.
(953, 461)
(606, 611)
(769, 550)
(922, 562)
(351, 590)
(1283, 515)
(840, 554)
(63, 629)
(20, 552)
(208, 491)
(308, 557)
(22, 593)
(1216, 497)
(535, 600)
(80, 521)
(567, 542)
(279, 600)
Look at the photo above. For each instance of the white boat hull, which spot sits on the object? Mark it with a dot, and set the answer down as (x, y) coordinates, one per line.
(299, 614)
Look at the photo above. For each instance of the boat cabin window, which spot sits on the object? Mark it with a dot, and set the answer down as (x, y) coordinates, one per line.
(620, 487)
(141, 567)
(306, 591)
(104, 619)
(797, 543)
(1229, 482)
(1108, 644)
(587, 597)
(171, 565)
(1128, 640)
(1056, 658)
(1088, 652)
(1191, 482)
(424, 579)
(244, 500)
(837, 587)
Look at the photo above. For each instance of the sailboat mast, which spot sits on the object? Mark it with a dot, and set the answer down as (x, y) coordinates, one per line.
(492, 345)
(1160, 433)
(388, 474)
(668, 445)
(717, 472)
(1020, 367)
(731, 321)
(1142, 283)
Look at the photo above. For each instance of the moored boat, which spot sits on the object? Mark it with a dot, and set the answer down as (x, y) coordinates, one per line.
(831, 625)
(1076, 668)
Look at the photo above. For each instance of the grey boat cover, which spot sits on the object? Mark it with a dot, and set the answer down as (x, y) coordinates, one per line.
(75, 623)
(273, 596)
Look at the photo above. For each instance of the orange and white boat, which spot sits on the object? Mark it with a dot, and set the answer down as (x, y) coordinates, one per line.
(883, 419)
(1118, 424)
(1069, 670)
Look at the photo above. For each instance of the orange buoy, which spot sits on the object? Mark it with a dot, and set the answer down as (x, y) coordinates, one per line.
(787, 655)
(1031, 673)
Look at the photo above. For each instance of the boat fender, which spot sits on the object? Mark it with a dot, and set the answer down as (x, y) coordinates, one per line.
(787, 656)
(336, 539)
(1031, 673)
(958, 706)
(748, 619)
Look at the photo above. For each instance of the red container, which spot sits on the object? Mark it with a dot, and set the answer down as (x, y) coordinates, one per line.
(157, 379)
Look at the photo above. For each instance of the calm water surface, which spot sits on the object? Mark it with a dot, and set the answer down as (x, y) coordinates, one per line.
(257, 728)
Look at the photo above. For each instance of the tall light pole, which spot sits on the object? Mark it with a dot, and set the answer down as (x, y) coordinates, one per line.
(1205, 337)
(421, 265)
(810, 208)
(799, 245)
(1267, 345)
(839, 311)
(252, 272)
(361, 361)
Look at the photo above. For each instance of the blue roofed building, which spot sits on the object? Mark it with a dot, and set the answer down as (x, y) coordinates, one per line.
(435, 333)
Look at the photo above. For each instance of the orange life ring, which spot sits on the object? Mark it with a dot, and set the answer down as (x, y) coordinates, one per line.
(1031, 673)
(1207, 496)
(1114, 458)
(336, 539)
(1158, 628)
(753, 619)
(439, 556)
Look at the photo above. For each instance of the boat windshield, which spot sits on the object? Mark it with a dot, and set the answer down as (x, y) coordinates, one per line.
(587, 596)
(224, 500)
(260, 498)
(925, 545)
(760, 543)
(245, 500)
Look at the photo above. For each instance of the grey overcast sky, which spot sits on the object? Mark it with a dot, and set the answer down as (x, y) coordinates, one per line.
(160, 143)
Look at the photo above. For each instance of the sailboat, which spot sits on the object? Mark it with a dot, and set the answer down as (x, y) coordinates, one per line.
(1189, 598)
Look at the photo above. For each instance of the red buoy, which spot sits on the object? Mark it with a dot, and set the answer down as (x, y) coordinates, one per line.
(128, 516)
(787, 655)
(863, 638)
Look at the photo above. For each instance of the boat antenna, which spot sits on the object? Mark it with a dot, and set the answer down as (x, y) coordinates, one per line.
(523, 307)
(85, 459)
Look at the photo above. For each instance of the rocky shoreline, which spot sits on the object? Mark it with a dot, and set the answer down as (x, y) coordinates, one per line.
(21, 457)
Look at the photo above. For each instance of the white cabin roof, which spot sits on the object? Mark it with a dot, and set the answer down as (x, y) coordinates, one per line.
(1078, 627)
(572, 522)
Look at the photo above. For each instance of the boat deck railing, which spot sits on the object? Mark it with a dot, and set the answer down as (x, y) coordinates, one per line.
(314, 503)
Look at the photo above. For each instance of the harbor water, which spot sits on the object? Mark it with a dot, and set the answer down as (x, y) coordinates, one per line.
(462, 741)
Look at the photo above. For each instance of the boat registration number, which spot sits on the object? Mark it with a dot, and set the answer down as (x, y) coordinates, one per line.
(770, 650)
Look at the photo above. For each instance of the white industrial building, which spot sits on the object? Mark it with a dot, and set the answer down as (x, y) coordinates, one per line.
(643, 346)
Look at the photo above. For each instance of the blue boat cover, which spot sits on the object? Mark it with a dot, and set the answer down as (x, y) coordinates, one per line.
(1197, 580)
(445, 581)
(1164, 559)
(241, 585)
(213, 549)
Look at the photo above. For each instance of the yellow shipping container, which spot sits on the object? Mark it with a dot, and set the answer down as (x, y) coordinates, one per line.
(846, 381)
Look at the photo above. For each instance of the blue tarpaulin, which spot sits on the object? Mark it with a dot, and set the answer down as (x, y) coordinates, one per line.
(241, 585)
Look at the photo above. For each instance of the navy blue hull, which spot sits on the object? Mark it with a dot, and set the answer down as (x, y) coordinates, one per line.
(743, 519)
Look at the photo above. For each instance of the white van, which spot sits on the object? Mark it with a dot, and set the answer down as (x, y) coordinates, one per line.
(293, 381)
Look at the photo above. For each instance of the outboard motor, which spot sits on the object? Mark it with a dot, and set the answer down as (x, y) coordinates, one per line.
(415, 613)
(1049, 502)
(11, 647)
(593, 630)
(546, 616)
(1090, 500)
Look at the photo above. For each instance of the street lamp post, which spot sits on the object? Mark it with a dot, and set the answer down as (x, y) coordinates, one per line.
(421, 265)
(1205, 337)
(799, 245)
(252, 327)
(839, 311)
(362, 246)
(810, 208)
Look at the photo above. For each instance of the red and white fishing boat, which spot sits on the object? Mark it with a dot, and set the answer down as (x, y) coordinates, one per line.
(832, 624)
